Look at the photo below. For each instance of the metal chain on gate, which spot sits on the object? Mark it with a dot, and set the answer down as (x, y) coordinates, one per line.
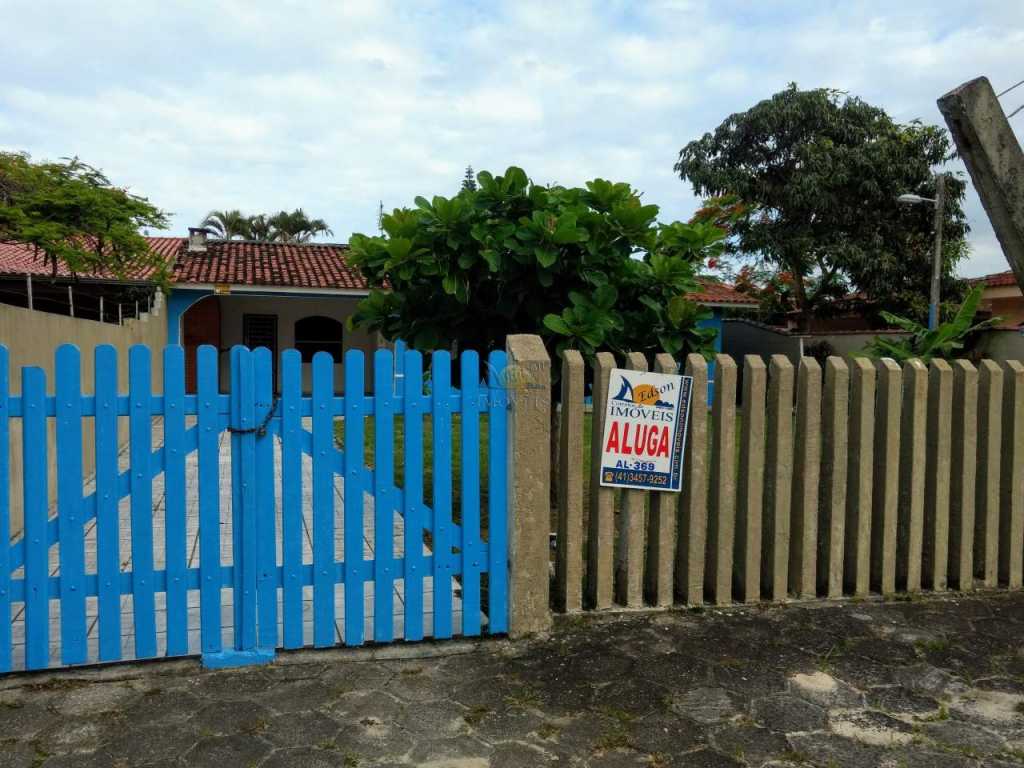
(261, 428)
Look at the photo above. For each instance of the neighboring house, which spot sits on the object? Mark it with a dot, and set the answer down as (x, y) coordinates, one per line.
(1003, 298)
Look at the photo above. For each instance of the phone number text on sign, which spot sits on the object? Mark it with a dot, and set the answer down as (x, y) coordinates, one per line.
(645, 430)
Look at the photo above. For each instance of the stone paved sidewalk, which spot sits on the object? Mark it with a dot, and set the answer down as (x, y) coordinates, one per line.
(932, 682)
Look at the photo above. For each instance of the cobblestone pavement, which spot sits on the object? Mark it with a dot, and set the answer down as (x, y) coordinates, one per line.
(931, 682)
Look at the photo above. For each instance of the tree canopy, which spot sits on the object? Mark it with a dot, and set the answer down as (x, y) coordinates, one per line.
(588, 268)
(72, 215)
(283, 227)
(818, 172)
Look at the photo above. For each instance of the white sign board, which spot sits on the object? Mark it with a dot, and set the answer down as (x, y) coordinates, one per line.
(644, 437)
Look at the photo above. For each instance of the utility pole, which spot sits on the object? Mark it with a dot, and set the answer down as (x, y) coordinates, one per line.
(940, 208)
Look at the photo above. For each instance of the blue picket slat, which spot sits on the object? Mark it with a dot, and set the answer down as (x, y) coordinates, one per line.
(266, 528)
(35, 496)
(108, 524)
(291, 497)
(324, 630)
(245, 556)
(209, 500)
(440, 373)
(175, 536)
(354, 409)
(71, 552)
(470, 432)
(140, 438)
(383, 507)
(412, 450)
(234, 374)
(5, 515)
(497, 496)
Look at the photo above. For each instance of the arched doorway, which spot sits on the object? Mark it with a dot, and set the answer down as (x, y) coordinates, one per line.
(199, 325)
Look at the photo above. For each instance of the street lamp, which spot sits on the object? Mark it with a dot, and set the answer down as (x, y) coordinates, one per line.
(939, 202)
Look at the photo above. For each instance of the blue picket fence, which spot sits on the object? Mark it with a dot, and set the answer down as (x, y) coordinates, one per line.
(81, 584)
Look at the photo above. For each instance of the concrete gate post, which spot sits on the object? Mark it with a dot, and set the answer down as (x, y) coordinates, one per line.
(529, 473)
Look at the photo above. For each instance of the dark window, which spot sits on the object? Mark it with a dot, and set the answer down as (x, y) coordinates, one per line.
(317, 333)
(260, 331)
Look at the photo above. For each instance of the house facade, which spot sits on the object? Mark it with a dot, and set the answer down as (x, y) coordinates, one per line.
(228, 292)
(1003, 298)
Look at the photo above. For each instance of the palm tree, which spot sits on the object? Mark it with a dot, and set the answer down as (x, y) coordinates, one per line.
(227, 224)
(260, 228)
(296, 227)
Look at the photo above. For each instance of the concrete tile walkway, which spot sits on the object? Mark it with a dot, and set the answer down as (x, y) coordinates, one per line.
(933, 683)
(227, 595)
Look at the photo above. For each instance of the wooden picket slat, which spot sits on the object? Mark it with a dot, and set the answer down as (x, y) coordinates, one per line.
(859, 477)
(569, 554)
(986, 505)
(207, 387)
(913, 463)
(832, 515)
(497, 494)
(412, 451)
(71, 550)
(440, 372)
(750, 497)
(778, 489)
(722, 497)
(140, 424)
(355, 410)
(661, 526)
(885, 495)
(964, 466)
(5, 513)
(383, 506)
(175, 533)
(324, 629)
(34, 504)
(470, 505)
(629, 554)
(803, 522)
(935, 549)
(1011, 478)
(265, 526)
(693, 519)
(601, 525)
(291, 498)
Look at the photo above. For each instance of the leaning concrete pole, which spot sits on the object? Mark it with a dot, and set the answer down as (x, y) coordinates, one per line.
(994, 159)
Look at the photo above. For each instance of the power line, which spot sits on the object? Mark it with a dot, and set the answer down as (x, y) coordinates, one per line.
(1000, 95)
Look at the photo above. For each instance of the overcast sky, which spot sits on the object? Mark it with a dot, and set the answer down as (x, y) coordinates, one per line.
(335, 106)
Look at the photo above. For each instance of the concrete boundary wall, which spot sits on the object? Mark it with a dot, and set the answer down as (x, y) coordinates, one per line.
(32, 339)
(843, 480)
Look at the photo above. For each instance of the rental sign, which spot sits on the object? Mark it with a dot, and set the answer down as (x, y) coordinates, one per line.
(645, 430)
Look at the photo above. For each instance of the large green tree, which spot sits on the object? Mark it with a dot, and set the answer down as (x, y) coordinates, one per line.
(820, 172)
(588, 268)
(72, 215)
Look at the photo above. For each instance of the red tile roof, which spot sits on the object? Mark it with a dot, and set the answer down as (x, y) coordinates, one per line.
(713, 292)
(996, 280)
(20, 259)
(236, 262)
(283, 265)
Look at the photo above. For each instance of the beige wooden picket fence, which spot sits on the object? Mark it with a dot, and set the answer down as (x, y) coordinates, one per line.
(865, 477)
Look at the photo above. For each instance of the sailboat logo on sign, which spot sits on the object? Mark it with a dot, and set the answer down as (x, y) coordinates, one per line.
(642, 394)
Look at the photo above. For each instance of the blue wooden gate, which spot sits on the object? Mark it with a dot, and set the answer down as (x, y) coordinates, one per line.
(236, 524)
